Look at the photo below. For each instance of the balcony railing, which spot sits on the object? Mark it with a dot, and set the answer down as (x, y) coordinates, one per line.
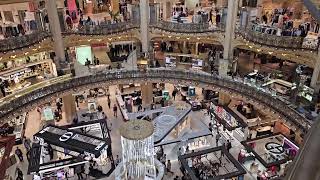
(183, 27)
(288, 42)
(14, 43)
(20, 100)
(104, 29)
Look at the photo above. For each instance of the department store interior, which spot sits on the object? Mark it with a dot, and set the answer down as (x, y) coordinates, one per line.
(159, 89)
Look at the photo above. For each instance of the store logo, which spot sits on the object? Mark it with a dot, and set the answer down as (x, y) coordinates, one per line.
(274, 148)
(66, 136)
(99, 146)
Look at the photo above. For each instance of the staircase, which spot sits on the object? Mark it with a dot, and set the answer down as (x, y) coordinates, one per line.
(314, 8)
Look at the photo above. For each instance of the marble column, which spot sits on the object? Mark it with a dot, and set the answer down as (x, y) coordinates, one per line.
(197, 48)
(224, 99)
(147, 95)
(315, 80)
(229, 36)
(144, 25)
(115, 6)
(260, 8)
(56, 32)
(69, 107)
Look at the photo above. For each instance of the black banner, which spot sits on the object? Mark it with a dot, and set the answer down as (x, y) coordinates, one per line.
(73, 140)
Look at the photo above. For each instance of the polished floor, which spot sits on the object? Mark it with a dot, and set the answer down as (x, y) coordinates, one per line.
(34, 125)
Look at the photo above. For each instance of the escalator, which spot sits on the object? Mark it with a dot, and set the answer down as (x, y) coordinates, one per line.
(314, 8)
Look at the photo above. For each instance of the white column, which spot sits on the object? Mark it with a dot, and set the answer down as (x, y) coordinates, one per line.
(315, 80)
(259, 8)
(55, 31)
(144, 24)
(229, 35)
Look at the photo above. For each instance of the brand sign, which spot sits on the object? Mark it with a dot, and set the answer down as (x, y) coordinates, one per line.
(72, 140)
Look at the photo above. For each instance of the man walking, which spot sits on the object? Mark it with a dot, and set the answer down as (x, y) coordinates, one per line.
(109, 102)
(217, 138)
(115, 110)
(18, 152)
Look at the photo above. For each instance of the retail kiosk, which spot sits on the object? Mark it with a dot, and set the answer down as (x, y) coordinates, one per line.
(215, 163)
(75, 145)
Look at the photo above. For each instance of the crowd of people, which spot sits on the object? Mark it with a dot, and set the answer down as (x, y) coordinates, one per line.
(281, 23)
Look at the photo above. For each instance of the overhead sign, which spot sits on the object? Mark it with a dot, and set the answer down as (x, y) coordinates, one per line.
(72, 140)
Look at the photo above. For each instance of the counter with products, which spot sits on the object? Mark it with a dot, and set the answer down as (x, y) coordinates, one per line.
(19, 127)
(23, 76)
(227, 117)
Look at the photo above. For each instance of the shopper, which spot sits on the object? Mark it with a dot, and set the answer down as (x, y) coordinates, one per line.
(139, 107)
(163, 159)
(169, 167)
(115, 110)
(109, 102)
(19, 174)
(210, 127)
(218, 136)
(59, 106)
(28, 156)
(77, 101)
(117, 160)
(87, 63)
(27, 143)
(78, 171)
(87, 170)
(174, 93)
(229, 146)
(18, 152)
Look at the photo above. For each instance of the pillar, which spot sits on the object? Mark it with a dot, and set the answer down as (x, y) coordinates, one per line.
(260, 9)
(166, 10)
(115, 6)
(55, 31)
(147, 95)
(144, 24)
(229, 35)
(315, 80)
(224, 99)
(69, 107)
(197, 48)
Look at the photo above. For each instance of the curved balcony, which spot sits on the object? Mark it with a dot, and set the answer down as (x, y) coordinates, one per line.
(184, 27)
(14, 43)
(104, 29)
(31, 97)
(288, 42)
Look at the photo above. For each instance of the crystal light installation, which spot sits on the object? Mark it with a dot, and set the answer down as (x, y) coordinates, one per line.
(138, 150)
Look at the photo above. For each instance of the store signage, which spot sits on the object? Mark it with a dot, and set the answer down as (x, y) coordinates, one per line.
(221, 113)
(274, 148)
(72, 140)
(66, 136)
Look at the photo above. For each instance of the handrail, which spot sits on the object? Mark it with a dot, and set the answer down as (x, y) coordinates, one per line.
(183, 27)
(104, 29)
(287, 42)
(31, 96)
(14, 43)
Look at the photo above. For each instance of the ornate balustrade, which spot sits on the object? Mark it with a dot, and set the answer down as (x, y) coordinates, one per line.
(104, 29)
(109, 29)
(23, 100)
(183, 27)
(13, 43)
(288, 42)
